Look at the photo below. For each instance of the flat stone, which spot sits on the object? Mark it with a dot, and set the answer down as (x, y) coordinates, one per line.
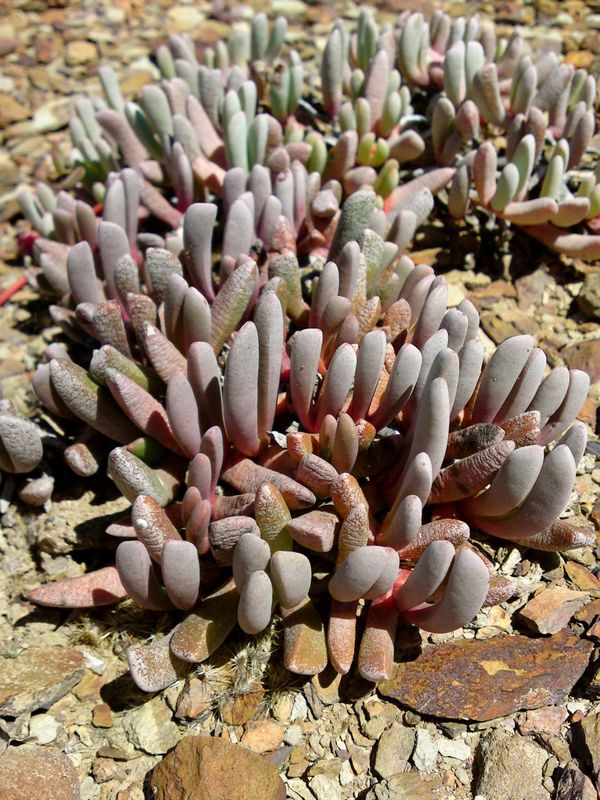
(263, 736)
(499, 325)
(484, 679)
(407, 786)
(584, 355)
(551, 609)
(184, 18)
(583, 578)
(37, 678)
(393, 750)
(510, 766)
(43, 773)
(102, 716)
(11, 111)
(205, 768)
(80, 52)
(150, 727)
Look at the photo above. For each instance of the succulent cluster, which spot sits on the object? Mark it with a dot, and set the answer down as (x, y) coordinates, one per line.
(300, 419)
(20, 441)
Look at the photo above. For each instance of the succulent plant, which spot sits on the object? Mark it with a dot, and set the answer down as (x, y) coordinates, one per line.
(300, 419)
(21, 452)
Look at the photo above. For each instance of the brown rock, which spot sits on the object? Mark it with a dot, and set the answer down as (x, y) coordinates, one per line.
(80, 52)
(11, 111)
(105, 769)
(530, 288)
(501, 324)
(589, 613)
(484, 679)
(407, 786)
(592, 688)
(589, 296)
(510, 767)
(29, 772)
(263, 736)
(243, 707)
(574, 785)
(102, 716)
(546, 720)
(584, 355)
(551, 609)
(203, 768)
(394, 749)
(8, 44)
(45, 48)
(37, 678)
(195, 699)
(587, 735)
(583, 578)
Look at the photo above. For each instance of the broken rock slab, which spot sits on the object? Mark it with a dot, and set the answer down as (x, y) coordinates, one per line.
(550, 610)
(37, 678)
(484, 679)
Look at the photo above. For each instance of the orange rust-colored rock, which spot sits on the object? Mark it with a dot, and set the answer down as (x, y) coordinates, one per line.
(551, 609)
(482, 680)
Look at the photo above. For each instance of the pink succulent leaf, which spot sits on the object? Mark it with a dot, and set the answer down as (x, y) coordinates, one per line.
(98, 588)
(362, 570)
(240, 391)
(182, 413)
(152, 526)
(142, 409)
(559, 421)
(376, 652)
(153, 666)
(427, 576)
(546, 500)
(500, 375)
(291, 576)
(138, 577)
(341, 635)
(465, 592)
(345, 446)
(251, 553)
(82, 274)
(180, 569)
(204, 376)
(452, 530)
(371, 355)
(256, 600)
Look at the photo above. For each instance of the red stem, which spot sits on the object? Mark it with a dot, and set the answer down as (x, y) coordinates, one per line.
(8, 293)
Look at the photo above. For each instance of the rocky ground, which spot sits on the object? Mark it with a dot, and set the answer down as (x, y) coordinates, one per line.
(477, 713)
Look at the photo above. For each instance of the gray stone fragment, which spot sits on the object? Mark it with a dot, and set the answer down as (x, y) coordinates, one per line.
(393, 750)
(510, 766)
